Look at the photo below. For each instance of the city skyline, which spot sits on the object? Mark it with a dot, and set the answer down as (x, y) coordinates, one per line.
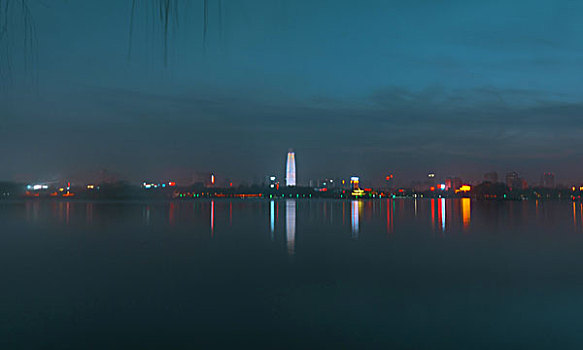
(510, 178)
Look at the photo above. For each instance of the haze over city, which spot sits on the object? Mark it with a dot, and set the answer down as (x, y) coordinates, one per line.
(369, 88)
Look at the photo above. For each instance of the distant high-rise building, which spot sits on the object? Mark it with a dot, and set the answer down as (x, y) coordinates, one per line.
(515, 182)
(290, 169)
(512, 179)
(452, 184)
(491, 177)
(548, 180)
(354, 182)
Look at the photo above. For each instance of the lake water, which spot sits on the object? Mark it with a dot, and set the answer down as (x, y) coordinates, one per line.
(386, 273)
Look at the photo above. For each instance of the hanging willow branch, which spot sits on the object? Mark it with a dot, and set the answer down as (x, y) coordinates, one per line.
(167, 15)
(205, 22)
(17, 34)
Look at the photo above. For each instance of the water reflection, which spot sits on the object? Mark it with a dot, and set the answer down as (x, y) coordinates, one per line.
(290, 225)
(212, 218)
(172, 214)
(89, 213)
(190, 277)
(441, 213)
(389, 216)
(466, 212)
(272, 218)
(355, 217)
(574, 215)
(146, 214)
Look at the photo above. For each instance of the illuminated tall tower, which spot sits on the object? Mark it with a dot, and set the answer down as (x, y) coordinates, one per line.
(290, 169)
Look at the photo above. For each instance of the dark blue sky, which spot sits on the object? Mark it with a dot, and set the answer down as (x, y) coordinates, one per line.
(355, 87)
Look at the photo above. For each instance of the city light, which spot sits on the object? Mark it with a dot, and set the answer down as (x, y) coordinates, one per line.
(464, 188)
(290, 169)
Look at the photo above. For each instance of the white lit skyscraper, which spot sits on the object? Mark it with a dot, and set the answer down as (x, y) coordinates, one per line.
(290, 169)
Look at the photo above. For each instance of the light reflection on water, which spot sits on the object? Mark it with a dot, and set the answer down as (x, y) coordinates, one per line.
(271, 218)
(434, 215)
(360, 269)
(355, 217)
(290, 225)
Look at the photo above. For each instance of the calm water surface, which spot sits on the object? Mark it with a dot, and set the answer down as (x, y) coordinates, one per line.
(291, 274)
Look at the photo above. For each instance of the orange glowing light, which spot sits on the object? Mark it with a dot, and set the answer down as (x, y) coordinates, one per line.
(464, 188)
(432, 188)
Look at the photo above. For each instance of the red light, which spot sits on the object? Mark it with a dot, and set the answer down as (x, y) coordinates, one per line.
(172, 183)
(432, 188)
(230, 184)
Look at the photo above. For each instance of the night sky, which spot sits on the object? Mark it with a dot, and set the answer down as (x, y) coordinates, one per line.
(355, 87)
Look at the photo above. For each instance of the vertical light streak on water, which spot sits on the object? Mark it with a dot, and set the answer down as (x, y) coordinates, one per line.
(433, 215)
(390, 215)
(354, 216)
(443, 214)
(466, 212)
(147, 215)
(212, 218)
(574, 216)
(89, 213)
(272, 217)
(415, 203)
(290, 225)
(172, 214)
(67, 212)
